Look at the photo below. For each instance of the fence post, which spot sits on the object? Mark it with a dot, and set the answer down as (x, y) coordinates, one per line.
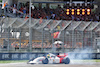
(63, 40)
(82, 39)
(8, 39)
(73, 39)
(5, 12)
(91, 38)
(30, 28)
(20, 40)
(53, 48)
(42, 39)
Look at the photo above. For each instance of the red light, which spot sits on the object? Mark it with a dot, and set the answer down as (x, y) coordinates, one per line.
(88, 13)
(83, 10)
(78, 13)
(67, 13)
(72, 13)
(67, 10)
(88, 10)
(83, 13)
(78, 9)
(72, 10)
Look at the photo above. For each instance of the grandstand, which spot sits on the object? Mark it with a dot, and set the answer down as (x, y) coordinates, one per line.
(77, 33)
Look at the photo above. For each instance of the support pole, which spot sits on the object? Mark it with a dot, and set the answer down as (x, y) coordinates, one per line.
(70, 2)
(42, 38)
(95, 44)
(73, 39)
(20, 39)
(53, 48)
(8, 39)
(63, 39)
(30, 28)
(1, 30)
(91, 39)
(82, 39)
(75, 36)
(85, 2)
(5, 12)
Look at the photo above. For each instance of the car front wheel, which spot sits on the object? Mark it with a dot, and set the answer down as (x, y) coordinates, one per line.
(45, 61)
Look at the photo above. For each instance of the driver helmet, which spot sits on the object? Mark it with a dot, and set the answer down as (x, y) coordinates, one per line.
(48, 56)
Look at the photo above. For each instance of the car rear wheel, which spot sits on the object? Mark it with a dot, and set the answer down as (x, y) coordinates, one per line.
(67, 61)
(45, 61)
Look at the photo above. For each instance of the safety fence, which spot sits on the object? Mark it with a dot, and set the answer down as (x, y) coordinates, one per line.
(14, 35)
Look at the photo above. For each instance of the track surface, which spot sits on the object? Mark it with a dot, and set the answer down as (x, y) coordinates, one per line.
(88, 64)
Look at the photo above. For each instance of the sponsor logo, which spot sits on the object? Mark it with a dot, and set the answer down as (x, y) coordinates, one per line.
(23, 56)
(86, 56)
(98, 56)
(15, 56)
(5, 56)
(32, 56)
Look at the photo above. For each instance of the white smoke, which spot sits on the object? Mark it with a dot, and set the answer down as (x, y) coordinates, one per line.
(81, 56)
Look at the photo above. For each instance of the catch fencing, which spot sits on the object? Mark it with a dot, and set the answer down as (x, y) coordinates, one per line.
(74, 35)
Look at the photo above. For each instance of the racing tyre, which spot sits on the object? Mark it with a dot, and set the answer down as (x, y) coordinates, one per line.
(45, 61)
(67, 61)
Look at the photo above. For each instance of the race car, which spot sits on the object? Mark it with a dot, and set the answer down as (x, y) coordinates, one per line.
(51, 59)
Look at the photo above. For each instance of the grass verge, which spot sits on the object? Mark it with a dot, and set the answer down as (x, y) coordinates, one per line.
(13, 61)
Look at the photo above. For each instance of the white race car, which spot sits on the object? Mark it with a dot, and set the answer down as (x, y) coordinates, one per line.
(51, 59)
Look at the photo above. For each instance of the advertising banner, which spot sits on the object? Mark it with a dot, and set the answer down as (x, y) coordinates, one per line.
(28, 56)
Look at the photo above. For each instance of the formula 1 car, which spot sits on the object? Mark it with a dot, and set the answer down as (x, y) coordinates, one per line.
(51, 59)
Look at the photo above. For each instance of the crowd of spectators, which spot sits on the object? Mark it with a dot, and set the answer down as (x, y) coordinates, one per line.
(38, 45)
(45, 45)
(58, 13)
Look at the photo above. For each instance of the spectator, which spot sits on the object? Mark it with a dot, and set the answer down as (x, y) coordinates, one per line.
(15, 6)
(24, 11)
(14, 11)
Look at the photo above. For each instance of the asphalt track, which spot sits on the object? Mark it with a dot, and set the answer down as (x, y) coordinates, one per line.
(76, 64)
